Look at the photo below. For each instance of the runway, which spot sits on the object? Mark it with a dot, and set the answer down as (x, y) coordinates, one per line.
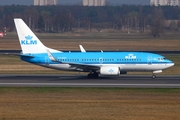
(124, 81)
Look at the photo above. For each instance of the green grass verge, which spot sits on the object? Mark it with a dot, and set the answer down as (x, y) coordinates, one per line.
(46, 103)
(86, 90)
(102, 35)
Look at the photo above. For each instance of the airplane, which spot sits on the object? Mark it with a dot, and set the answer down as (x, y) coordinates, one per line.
(95, 63)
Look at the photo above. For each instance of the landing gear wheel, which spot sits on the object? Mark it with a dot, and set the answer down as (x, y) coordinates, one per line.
(90, 75)
(153, 76)
(96, 75)
(93, 75)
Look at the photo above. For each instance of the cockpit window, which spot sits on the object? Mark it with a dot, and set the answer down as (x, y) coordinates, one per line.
(161, 58)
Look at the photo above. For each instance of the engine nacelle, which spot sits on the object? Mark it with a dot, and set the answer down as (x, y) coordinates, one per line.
(110, 70)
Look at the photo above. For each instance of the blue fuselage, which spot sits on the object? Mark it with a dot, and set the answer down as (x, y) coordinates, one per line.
(127, 61)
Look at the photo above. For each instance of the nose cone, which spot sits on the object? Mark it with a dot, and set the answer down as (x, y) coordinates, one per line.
(170, 64)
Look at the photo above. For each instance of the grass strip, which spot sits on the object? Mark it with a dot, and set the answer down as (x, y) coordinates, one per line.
(44, 103)
(81, 89)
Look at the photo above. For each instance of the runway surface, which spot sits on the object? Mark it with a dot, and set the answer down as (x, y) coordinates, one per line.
(124, 81)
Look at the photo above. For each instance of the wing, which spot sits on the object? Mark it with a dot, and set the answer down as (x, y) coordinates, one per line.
(78, 66)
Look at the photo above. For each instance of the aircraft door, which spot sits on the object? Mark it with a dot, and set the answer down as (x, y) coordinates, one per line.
(149, 60)
(47, 60)
(101, 60)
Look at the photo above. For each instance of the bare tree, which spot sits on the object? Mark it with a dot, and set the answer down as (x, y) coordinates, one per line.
(31, 16)
(157, 25)
(46, 18)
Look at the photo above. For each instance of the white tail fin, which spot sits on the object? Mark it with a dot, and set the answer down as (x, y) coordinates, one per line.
(28, 40)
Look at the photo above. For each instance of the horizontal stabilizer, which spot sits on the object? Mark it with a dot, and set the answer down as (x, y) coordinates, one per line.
(17, 54)
(25, 55)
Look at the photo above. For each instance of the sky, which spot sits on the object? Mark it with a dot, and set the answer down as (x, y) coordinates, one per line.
(30, 2)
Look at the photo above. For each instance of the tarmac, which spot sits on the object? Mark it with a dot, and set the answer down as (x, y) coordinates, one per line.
(124, 81)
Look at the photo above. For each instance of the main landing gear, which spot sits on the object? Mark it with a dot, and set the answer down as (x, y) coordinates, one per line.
(93, 75)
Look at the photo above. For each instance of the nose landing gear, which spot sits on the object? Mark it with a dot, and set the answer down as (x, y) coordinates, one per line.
(153, 76)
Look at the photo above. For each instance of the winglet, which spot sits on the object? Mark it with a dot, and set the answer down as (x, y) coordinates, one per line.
(82, 49)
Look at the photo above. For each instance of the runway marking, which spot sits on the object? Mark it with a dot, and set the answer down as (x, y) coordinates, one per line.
(89, 84)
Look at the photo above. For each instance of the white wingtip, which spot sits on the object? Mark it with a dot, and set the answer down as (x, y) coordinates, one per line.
(82, 49)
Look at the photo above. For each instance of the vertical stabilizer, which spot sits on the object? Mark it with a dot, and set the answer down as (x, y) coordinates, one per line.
(28, 40)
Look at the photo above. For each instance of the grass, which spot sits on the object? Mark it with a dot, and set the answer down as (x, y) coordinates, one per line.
(89, 103)
(100, 41)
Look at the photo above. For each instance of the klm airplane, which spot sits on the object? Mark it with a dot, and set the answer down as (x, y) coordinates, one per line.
(95, 63)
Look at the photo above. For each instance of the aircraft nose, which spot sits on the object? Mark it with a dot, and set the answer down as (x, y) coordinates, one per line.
(170, 64)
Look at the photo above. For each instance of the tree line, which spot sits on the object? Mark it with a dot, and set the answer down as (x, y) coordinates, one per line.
(67, 18)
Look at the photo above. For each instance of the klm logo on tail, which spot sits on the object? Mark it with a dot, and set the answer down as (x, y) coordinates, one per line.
(29, 41)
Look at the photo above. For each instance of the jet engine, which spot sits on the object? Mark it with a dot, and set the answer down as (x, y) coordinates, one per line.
(110, 70)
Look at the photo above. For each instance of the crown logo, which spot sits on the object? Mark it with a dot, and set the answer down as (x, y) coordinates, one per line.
(111, 70)
(29, 41)
(28, 37)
